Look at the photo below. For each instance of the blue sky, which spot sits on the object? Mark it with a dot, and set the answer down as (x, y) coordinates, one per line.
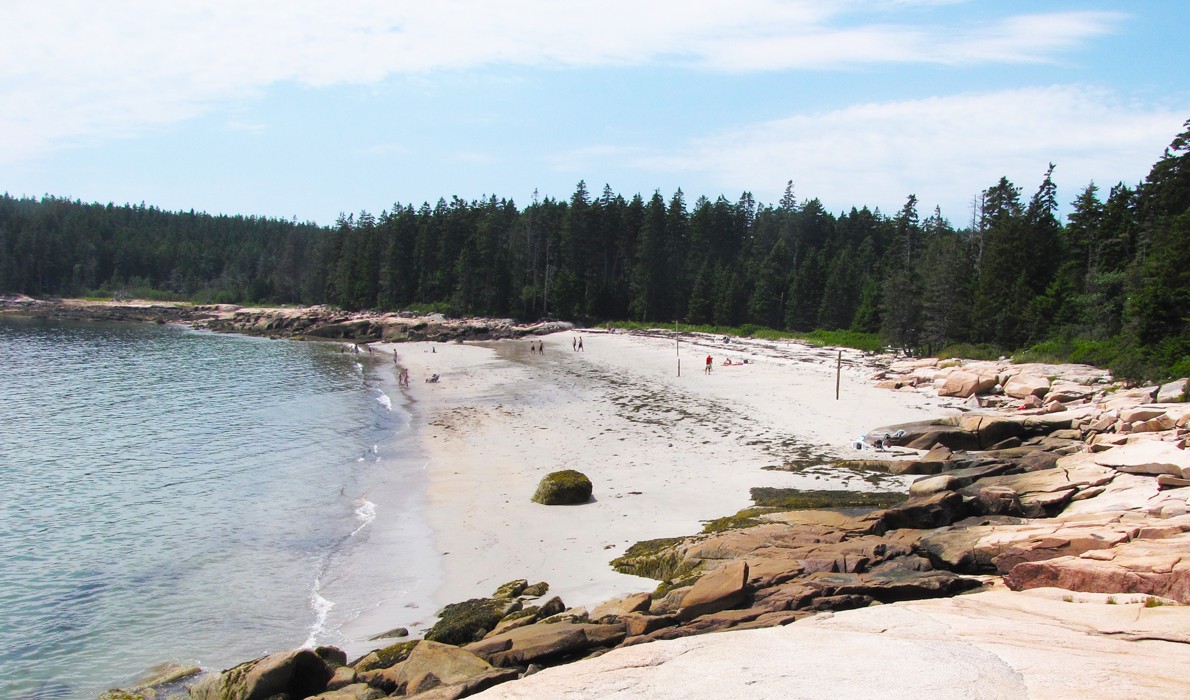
(311, 109)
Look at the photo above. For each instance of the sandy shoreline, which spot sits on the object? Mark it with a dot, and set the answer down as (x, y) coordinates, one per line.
(665, 452)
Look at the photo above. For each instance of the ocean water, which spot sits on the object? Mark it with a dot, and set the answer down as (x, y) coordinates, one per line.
(173, 495)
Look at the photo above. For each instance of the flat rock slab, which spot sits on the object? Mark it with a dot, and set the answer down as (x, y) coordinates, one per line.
(989, 645)
(718, 590)
(526, 645)
(1136, 454)
(1158, 567)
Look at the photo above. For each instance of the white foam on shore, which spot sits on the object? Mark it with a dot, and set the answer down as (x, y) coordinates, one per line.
(365, 511)
(384, 400)
(321, 607)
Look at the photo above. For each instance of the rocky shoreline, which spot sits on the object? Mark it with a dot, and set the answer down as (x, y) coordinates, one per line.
(1055, 477)
(313, 322)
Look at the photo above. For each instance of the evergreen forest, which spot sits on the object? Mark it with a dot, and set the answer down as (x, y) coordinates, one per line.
(1109, 286)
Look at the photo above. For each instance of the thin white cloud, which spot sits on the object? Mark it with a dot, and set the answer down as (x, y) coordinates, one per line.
(945, 149)
(73, 69)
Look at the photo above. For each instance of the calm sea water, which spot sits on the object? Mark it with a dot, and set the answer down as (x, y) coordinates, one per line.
(171, 495)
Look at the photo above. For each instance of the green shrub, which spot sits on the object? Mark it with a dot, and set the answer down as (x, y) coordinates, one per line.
(438, 307)
(970, 351)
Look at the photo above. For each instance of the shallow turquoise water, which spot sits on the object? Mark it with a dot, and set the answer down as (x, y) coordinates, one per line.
(170, 495)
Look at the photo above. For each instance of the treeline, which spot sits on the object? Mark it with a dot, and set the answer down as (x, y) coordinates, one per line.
(1110, 286)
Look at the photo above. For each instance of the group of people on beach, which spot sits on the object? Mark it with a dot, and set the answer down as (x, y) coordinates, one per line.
(726, 363)
(402, 373)
(576, 344)
(536, 347)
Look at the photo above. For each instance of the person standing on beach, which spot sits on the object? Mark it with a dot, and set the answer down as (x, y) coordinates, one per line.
(710, 363)
(580, 344)
(574, 344)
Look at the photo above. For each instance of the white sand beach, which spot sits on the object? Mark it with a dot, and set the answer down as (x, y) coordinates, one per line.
(664, 452)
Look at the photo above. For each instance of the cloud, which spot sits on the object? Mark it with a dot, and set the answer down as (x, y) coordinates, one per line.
(74, 70)
(943, 149)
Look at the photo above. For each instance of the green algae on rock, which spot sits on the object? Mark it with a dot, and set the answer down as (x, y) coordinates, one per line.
(567, 487)
(470, 620)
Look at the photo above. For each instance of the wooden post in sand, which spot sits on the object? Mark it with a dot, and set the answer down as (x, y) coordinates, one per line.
(838, 371)
(679, 366)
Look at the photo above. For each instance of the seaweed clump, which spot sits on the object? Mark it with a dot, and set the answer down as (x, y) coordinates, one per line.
(468, 621)
(656, 559)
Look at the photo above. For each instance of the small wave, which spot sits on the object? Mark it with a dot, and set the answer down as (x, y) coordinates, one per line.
(359, 368)
(365, 511)
(321, 607)
(384, 400)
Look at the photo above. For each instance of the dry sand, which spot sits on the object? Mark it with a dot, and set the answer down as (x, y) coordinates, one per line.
(665, 452)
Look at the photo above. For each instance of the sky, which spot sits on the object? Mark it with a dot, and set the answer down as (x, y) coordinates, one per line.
(309, 110)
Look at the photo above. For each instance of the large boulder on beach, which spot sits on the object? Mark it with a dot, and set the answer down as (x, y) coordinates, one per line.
(1023, 385)
(298, 674)
(962, 384)
(567, 487)
(430, 665)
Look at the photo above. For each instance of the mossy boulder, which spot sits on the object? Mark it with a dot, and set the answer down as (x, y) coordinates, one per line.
(511, 589)
(383, 658)
(299, 674)
(536, 590)
(470, 620)
(564, 488)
